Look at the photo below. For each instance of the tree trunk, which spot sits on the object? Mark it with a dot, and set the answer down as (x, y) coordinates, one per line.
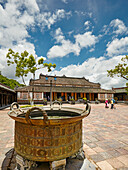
(34, 76)
(23, 80)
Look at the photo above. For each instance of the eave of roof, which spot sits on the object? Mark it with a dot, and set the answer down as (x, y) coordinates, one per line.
(62, 88)
(6, 88)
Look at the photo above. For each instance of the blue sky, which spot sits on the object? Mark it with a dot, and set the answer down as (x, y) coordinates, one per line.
(82, 37)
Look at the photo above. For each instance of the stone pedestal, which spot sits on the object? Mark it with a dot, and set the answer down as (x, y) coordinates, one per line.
(24, 164)
(56, 165)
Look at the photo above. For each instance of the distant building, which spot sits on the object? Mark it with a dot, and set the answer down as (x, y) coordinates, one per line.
(7, 96)
(120, 93)
(62, 86)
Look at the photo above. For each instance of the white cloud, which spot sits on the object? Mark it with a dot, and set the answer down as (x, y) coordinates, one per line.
(26, 19)
(47, 19)
(86, 39)
(81, 41)
(115, 27)
(91, 50)
(117, 46)
(31, 5)
(87, 25)
(16, 17)
(65, 1)
(83, 13)
(59, 35)
(61, 51)
(65, 48)
(95, 69)
(119, 26)
(14, 22)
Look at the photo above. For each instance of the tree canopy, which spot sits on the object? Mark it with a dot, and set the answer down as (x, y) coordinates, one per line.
(121, 70)
(9, 82)
(26, 63)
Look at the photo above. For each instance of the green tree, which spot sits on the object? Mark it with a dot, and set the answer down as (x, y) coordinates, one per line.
(9, 82)
(26, 63)
(121, 70)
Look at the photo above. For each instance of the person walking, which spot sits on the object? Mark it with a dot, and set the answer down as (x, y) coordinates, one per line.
(114, 104)
(111, 103)
(106, 103)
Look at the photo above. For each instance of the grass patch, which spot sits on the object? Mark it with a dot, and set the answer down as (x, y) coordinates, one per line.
(24, 106)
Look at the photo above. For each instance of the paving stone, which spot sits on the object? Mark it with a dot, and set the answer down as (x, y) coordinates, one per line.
(92, 139)
(106, 147)
(98, 149)
(123, 159)
(85, 146)
(90, 151)
(104, 165)
(123, 168)
(97, 157)
(92, 145)
(105, 155)
(115, 163)
(87, 141)
(122, 151)
(126, 148)
(114, 153)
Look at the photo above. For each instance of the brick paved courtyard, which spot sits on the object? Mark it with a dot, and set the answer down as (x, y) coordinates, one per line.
(105, 136)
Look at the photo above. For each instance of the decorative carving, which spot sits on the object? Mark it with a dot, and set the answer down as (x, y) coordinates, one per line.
(47, 143)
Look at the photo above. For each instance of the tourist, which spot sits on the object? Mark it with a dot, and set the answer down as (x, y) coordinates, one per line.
(106, 103)
(111, 103)
(114, 104)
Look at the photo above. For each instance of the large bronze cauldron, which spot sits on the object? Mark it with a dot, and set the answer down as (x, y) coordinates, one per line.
(48, 133)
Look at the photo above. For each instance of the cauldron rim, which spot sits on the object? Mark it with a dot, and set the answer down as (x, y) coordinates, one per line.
(81, 114)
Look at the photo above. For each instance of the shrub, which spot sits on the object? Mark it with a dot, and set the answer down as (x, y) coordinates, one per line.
(72, 101)
(85, 98)
(60, 100)
(45, 101)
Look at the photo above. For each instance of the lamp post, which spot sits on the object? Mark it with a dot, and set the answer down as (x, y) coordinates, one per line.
(50, 92)
(32, 102)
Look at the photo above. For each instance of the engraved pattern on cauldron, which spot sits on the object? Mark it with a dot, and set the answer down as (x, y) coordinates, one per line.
(47, 143)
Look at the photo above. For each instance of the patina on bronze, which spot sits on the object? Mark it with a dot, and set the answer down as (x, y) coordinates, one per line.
(48, 133)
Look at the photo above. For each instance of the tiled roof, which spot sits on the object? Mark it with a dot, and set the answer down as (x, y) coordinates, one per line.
(120, 89)
(3, 86)
(63, 80)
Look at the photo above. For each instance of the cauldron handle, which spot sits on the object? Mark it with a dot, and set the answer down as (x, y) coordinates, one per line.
(17, 110)
(87, 110)
(35, 108)
(57, 103)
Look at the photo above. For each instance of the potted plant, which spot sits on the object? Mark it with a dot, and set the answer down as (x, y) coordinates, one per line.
(45, 101)
(60, 100)
(72, 101)
(85, 100)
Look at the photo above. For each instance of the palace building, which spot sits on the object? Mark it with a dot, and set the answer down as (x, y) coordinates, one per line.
(7, 96)
(121, 93)
(61, 87)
